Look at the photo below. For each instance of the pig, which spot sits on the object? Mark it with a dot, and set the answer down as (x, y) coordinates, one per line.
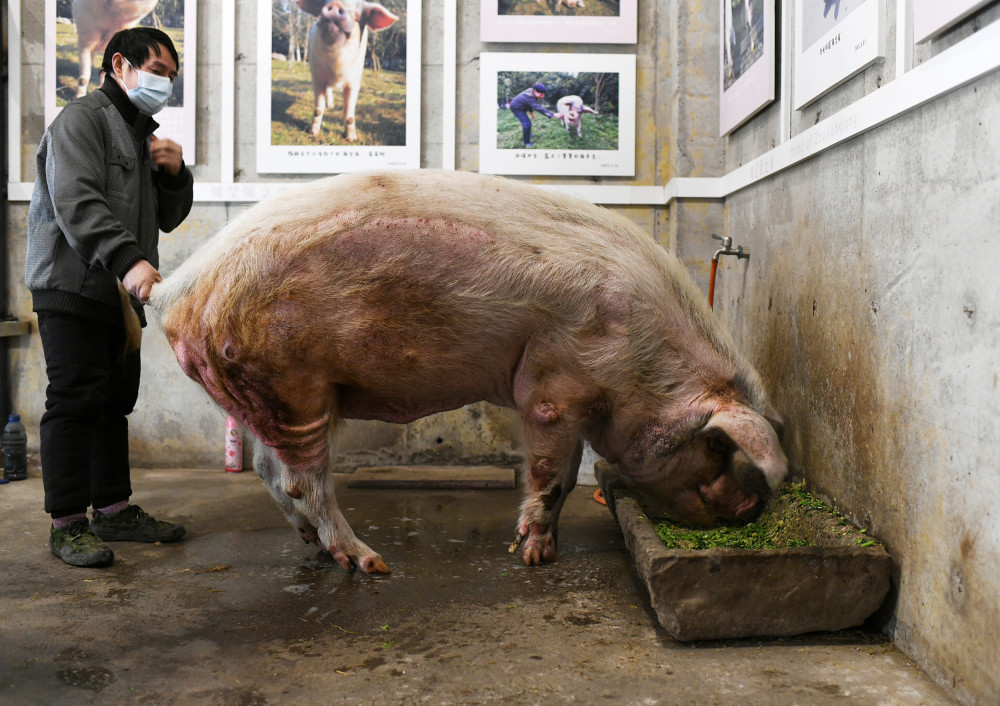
(394, 295)
(337, 46)
(570, 110)
(567, 3)
(96, 22)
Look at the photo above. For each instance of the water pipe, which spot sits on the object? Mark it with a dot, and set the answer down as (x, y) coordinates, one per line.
(726, 249)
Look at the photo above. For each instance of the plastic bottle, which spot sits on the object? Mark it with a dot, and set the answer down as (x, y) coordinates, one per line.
(234, 446)
(15, 449)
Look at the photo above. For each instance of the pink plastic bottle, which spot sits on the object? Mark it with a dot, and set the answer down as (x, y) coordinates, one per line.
(234, 446)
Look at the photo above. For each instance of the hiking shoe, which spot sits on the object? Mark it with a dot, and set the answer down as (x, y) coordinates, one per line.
(134, 525)
(77, 545)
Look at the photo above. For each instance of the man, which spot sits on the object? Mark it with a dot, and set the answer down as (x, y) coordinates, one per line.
(525, 101)
(104, 188)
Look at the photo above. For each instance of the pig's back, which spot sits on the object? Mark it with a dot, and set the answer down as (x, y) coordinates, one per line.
(433, 281)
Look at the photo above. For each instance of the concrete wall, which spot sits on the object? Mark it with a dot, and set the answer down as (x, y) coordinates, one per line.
(869, 303)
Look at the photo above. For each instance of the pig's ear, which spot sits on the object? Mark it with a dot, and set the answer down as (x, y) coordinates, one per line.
(755, 437)
(313, 7)
(376, 16)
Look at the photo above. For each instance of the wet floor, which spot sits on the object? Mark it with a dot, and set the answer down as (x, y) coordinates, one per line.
(242, 612)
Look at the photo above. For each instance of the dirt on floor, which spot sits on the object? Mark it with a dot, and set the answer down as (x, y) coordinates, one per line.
(242, 612)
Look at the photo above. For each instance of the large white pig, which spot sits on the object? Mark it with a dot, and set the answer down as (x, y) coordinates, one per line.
(338, 42)
(396, 295)
(96, 22)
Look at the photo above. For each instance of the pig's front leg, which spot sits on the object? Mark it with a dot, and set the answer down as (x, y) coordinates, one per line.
(350, 106)
(318, 110)
(310, 504)
(85, 67)
(552, 414)
(538, 527)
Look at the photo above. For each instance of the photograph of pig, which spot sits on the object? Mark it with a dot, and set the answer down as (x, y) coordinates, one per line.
(563, 90)
(588, 8)
(395, 295)
(84, 27)
(338, 72)
(570, 110)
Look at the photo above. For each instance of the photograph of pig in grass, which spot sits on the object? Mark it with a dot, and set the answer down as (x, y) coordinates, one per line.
(564, 97)
(585, 8)
(338, 72)
(84, 27)
(396, 295)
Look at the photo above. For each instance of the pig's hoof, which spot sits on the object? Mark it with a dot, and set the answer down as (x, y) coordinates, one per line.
(373, 564)
(539, 550)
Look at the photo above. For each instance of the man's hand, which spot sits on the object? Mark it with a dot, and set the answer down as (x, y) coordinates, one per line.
(140, 279)
(167, 155)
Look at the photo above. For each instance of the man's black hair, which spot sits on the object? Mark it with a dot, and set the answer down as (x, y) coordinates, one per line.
(136, 45)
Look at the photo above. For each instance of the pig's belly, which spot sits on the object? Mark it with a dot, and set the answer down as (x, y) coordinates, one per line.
(355, 403)
(403, 380)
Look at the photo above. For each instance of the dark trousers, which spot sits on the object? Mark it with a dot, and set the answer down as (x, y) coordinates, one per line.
(525, 124)
(84, 432)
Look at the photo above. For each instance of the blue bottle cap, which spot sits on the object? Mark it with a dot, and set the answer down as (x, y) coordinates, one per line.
(14, 418)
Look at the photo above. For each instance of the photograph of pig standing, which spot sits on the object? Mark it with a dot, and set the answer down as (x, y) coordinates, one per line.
(84, 27)
(396, 295)
(570, 110)
(345, 53)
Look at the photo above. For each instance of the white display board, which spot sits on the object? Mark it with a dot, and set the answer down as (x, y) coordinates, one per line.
(932, 17)
(387, 117)
(605, 145)
(746, 60)
(573, 21)
(62, 65)
(834, 40)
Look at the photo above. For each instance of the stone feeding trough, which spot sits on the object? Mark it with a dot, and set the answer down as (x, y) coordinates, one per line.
(834, 579)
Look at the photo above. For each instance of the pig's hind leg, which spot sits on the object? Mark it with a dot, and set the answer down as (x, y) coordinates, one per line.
(309, 503)
(272, 472)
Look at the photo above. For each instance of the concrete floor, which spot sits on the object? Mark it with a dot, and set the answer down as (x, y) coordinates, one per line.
(242, 612)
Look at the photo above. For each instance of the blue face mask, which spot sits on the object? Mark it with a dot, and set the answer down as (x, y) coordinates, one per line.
(151, 93)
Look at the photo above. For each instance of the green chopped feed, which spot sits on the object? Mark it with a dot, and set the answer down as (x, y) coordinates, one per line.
(793, 518)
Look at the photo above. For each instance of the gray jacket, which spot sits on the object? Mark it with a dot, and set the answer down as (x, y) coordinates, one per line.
(98, 205)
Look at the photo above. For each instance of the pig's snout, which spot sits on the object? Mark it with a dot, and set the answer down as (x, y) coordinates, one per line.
(739, 496)
(728, 500)
(334, 11)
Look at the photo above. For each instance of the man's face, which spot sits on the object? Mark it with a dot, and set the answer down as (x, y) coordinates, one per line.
(538, 94)
(162, 65)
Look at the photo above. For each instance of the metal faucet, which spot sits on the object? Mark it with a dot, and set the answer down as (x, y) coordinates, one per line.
(727, 248)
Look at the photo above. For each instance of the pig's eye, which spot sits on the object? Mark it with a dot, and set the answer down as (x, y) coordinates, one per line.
(717, 445)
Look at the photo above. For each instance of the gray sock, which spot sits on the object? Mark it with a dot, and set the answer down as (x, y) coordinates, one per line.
(59, 522)
(112, 509)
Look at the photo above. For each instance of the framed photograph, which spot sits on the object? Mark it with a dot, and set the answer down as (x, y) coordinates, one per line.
(932, 17)
(746, 61)
(834, 40)
(554, 21)
(74, 52)
(558, 114)
(337, 93)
